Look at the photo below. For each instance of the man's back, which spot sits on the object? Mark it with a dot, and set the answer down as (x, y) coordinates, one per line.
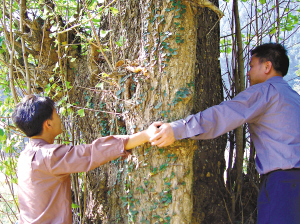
(44, 180)
(276, 132)
(42, 195)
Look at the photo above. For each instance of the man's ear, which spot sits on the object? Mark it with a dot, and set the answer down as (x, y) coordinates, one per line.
(268, 66)
(46, 124)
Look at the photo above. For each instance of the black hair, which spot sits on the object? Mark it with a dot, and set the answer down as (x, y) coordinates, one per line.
(30, 114)
(275, 53)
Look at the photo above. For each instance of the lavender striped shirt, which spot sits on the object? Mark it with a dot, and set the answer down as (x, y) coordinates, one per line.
(272, 111)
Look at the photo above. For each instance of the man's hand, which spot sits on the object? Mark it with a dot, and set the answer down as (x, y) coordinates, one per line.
(165, 137)
(153, 129)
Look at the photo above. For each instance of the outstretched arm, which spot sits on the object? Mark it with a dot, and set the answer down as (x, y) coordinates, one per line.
(247, 106)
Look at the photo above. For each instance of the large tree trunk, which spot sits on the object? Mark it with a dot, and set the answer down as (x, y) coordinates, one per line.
(167, 185)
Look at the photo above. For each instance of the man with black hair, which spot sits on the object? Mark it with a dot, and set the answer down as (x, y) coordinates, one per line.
(44, 168)
(272, 110)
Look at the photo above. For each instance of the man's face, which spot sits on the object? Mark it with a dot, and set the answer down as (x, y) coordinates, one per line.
(56, 122)
(256, 74)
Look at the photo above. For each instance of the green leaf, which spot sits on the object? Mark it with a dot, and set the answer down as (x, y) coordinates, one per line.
(158, 105)
(103, 33)
(121, 41)
(100, 85)
(68, 85)
(96, 20)
(75, 205)
(125, 203)
(114, 10)
(93, 5)
(103, 74)
(272, 31)
(81, 112)
(48, 89)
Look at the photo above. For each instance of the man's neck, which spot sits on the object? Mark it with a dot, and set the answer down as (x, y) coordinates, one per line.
(272, 74)
(46, 138)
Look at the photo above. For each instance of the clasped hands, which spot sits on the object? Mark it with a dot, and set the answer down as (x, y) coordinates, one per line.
(160, 134)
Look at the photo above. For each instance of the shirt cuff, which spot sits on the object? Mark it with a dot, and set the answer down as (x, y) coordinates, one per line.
(124, 139)
(178, 129)
(188, 127)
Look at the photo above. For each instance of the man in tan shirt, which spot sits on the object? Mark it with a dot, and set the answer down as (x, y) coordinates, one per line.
(44, 168)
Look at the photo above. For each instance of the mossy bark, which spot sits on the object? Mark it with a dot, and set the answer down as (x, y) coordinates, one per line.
(180, 183)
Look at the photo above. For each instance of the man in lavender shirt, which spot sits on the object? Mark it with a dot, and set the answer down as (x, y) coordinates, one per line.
(272, 110)
(44, 168)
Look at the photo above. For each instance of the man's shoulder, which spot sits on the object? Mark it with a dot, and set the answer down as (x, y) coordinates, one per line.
(38, 157)
(282, 87)
(260, 88)
(269, 85)
(39, 149)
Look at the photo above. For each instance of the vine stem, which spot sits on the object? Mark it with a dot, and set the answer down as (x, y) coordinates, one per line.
(107, 112)
(97, 37)
(84, 197)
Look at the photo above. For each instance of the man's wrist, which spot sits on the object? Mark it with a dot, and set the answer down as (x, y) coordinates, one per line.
(145, 135)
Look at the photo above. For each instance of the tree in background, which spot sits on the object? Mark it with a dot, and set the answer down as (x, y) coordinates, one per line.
(114, 67)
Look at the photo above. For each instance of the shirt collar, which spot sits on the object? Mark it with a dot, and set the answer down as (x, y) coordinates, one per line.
(38, 141)
(275, 79)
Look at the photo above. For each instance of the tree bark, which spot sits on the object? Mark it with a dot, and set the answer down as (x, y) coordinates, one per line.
(208, 163)
(162, 185)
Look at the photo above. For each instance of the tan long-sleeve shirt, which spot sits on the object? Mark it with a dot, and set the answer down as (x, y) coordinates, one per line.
(44, 169)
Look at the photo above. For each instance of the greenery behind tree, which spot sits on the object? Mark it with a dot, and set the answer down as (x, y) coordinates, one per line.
(114, 67)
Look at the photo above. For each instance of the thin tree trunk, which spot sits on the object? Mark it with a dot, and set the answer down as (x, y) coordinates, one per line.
(12, 50)
(278, 21)
(22, 16)
(239, 86)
